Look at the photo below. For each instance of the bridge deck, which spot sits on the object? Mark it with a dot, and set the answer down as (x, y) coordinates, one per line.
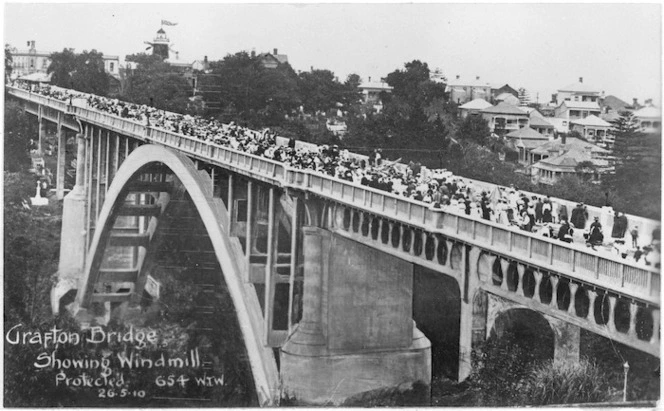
(574, 261)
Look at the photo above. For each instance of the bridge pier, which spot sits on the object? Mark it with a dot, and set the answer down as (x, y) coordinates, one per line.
(356, 336)
(61, 168)
(73, 244)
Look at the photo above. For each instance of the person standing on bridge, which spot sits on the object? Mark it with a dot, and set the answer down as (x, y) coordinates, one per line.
(596, 237)
(562, 212)
(546, 211)
(579, 216)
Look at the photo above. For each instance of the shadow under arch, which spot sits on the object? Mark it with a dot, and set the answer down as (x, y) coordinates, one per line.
(212, 213)
(527, 328)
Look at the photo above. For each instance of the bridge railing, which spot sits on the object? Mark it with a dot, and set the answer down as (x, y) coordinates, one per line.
(573, 260)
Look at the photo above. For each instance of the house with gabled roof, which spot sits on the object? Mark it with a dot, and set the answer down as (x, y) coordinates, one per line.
(504, 117)
(462, 91)
(525, 140)
(578, 92)
(473, 107)
(594, 129)
(541, 125)
(612, 104)
(649, 119)
(575, 110)
(273, 60)
(562, 156)
(495, 92)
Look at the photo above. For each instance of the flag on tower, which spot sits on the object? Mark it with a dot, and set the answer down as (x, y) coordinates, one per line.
(168, 23)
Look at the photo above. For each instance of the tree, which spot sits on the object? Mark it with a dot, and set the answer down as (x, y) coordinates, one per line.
(62, 68)
(474, 128)
(637, 176)
(8, 62)
(524, 96)
(83, 72)
(406, 82)
(155, 82)
(586, 170)
(320, 90)
(18, 132)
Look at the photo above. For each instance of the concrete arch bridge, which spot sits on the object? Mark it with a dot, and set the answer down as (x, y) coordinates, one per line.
(318, 268)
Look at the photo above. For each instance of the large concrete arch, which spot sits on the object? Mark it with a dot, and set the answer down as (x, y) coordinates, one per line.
(212, 213)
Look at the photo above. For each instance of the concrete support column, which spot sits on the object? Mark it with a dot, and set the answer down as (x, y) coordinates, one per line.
(592, 296)
(293, 261)
(504, 266)
(520, 270)
(465, 339)
(655, 327)
(538, 282)
(632, 320)
(270, 265)
(42, 132)
(567, 340)
(309, 332)
(250, 226)
(73, 245)
(231, 206)
(611, 323)
(357, 335)
(60, 168)
(554, 291)
(573, 288)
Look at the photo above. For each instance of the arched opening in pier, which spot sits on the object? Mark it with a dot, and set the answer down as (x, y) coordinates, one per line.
(436, 311)
(526, 331)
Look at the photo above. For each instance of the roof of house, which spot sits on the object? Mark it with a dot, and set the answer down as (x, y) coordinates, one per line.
(467, 83)
(579, 88)
(281, 58)
(506, 95)
(614, 103)
(650, 111)
(505, 108)
(592, 121)
(507, 89)
(574, 152)
(527, 133)
(588, 105)
(477, 104)
(538, 121)
(571, 144)
(375, 85)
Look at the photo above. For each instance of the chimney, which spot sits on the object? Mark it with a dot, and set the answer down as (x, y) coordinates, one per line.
(580, 79)
(457, 76)
(275, 52)
(177, 55)
(635, 102)
(253, 52)
(369, 80)
(648, 102)
(563, 138)
(205, 60)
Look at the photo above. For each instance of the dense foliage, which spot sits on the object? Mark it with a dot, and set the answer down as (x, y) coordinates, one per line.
(155, 82)
(83, 72)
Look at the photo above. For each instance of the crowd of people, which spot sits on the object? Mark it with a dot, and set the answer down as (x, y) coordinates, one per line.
(441, 188)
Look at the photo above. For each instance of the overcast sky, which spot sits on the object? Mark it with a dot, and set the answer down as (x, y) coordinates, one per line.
(614, 47)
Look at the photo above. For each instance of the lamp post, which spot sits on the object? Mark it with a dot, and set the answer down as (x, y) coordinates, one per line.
(626, 371)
